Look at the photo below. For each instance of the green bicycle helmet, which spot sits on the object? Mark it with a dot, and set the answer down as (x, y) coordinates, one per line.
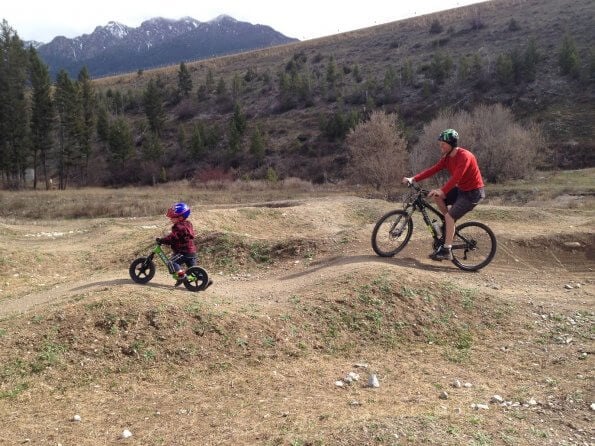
(449, 136)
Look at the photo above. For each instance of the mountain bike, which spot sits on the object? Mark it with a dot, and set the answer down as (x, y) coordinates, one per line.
(142, 270)
(474, 243)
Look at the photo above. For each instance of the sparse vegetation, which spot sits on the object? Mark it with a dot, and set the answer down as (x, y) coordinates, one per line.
(313, 89)
(569, 58)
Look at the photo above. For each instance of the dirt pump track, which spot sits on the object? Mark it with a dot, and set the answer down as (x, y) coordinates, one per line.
(276, 393)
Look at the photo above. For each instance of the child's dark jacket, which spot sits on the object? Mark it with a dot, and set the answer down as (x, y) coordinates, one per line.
(181, 238)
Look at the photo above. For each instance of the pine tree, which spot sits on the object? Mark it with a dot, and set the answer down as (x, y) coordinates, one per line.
(569, 58)
(70, 123)
(504, 69)
(239, 118)
(102, 124)
(407, 72)
(87, 101)
(181, 137)
(237, 127)
(236, 87)
(42, 115)
(390, 79)
(152, 148)
(356, 74)
(532, 58)
(197, 141)
(331, 73)
(120, 141)
(221, 88)
(184, 81)
(257, 144)
(13, 106)
(235, 138)
(153, 103)
(210, 81)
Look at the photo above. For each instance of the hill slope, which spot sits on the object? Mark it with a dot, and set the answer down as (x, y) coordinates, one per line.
(302, 96)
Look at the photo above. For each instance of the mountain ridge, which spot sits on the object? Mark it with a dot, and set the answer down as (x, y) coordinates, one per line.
(117, 48)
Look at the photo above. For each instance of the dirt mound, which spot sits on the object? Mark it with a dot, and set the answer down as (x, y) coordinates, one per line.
(571, 252)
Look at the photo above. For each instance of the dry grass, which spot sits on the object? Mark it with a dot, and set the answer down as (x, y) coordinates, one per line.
(151, 201)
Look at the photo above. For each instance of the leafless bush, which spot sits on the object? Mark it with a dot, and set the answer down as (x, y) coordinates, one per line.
(378, 151)
(212, 174)
(504, 149)
(185, 110)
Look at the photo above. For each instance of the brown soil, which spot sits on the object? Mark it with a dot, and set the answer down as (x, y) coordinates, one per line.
(299, 301)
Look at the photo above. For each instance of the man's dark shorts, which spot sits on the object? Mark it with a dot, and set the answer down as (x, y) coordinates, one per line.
(463, 202)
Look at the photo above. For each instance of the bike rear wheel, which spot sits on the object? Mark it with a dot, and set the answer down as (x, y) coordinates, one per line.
(474, 246)
(142, 270)
(391, 233)
(196, 279)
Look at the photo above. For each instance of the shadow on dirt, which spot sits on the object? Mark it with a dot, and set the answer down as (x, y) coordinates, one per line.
(361, 259)
(115, 282)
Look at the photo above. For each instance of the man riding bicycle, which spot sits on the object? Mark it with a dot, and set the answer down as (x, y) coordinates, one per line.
(462, 192)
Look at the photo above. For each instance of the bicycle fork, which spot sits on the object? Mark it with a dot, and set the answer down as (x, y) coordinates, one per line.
(401, 224)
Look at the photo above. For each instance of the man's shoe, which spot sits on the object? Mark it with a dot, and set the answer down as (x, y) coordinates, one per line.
(442, 253)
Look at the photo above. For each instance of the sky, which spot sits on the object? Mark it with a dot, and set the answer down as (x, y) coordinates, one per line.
(42, 20)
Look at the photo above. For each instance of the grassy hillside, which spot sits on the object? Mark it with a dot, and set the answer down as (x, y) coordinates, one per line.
(303, 97)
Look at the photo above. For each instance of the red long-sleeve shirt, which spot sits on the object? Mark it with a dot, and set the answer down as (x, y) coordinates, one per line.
(181, 238)
(463, 169)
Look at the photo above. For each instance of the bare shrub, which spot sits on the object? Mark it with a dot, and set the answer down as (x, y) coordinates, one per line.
(378, 151)
(212, 174)
(504, 149)
(185, 110)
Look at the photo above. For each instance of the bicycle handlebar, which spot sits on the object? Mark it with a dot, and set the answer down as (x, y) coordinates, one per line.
(417, 187)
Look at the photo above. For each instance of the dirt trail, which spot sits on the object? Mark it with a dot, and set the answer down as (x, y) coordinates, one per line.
(538, 271)
(541, 253)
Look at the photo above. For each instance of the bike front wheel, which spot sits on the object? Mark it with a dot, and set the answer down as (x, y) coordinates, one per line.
(474, 246)
(196, 279)
(391, 233)
(142, 270)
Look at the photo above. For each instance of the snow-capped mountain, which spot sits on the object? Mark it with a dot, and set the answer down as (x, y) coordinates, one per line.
(117, 48)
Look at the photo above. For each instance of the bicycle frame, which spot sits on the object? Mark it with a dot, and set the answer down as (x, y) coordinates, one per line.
(422, 205)
(427, 211)
(167, 261)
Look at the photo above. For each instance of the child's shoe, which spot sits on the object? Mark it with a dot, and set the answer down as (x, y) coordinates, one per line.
(181, 278)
